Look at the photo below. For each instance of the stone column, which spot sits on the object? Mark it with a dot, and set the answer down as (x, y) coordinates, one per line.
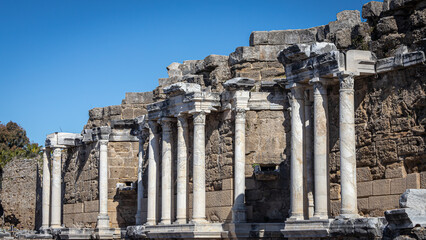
(166, 171)
(309, 168)
(320, 150)
(347, 147)
(103, 218)
(296, 178)
(140, 182)
(56, 195)
(199, 177)
(239, 209)
(152, 173)
(182, 172)
(46, 190)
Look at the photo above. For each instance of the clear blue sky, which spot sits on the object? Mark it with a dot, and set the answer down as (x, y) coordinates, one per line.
(58, 59)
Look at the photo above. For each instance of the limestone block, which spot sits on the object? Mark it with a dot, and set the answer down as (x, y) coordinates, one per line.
(405, 218)
(113, 205)
(219, 214)
(413, 181)
(362, 204)
(398, 185)
(239, 83)
(413, 198)
(294, 53)
(272, 73)
(395, 171)
(68, 220)
(181, 88)
(259, 38)
(386, 151)
(96, 113)
(335, 206)
(283, 37)
(343, 38)
(228, 184)
(423, 180)
(127, 113)
(372, 9)
(381, 187)
(363, 174)
(268, 52)
(219, 198)
(91, 206)
(365, 189)
(213, 61)
(244, 54)
(345, 19)
(383, 202)
(139, 97)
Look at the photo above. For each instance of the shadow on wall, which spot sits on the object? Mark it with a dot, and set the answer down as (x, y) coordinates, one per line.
(125, 202)
(38, 201)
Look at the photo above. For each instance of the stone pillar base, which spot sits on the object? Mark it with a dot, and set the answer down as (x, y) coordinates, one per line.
(239, 214)
(180, 221)
(348, 216)
(105, 233)
(103, 222)
(306, 229)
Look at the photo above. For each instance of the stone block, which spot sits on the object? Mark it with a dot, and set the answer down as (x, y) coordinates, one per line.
(68, 219)
(228, 184)
(139, 97)
(181, 88)
(387, 25)
(281, 37)
(383, 202)
(213, 61)
(73, 208)
(372, 9)
(127, 113)
(395, 171)
(250, 184)
(219, 214)
(423, 180)
(122, 172)
(239, 83)
(96, 113)
(363, 174)
(398, 185)
(413, 181)
(365, 189)
(362, 204)
(413, 198)
(259, 38)
(335, 191)
(335, 206)
(219, 198)
(381, 187)
(91, 206)
(244, 54)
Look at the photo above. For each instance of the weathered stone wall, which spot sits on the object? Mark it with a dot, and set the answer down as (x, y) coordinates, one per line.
(21, 194)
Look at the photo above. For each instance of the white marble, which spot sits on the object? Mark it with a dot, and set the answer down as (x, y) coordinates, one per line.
(296, 177)
(320, 151)
(309, 168)
(152, 173)
(199, 168)
(239, 209)
(166, 171)
(56, 187)
(138, 216)
(182, 170)
(103, 219)
(347, 147)
(46, 190)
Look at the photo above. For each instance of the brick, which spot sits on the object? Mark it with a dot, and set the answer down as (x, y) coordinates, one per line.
(365, 189)
(362, 204)
(423, 180)
(91, 206)
(398, 185)
(219, 198)
(413, 181)
(381, 187)
(383, 202)
(219, 214)
(227, 184)
(363, 174)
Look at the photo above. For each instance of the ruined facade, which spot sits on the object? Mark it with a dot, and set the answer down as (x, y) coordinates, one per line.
(304, 133)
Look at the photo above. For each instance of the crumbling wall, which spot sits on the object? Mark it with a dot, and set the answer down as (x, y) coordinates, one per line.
(21, 194)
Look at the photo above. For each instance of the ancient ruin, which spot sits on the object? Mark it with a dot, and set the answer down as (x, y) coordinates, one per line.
(308, 133)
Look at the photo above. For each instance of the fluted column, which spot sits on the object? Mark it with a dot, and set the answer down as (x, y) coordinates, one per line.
(239, 209)
(199, 177)
(153, 159)
(46, 190)
(320, 150)
(347, 147)
(297, 122)
(182, 171)
(309, 168)
(103, 218)
(166, 171)
(56, 195)
(140, 182)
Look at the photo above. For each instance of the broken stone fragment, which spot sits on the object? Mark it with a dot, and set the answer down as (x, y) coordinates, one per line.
(294, 53)
(413, 198)
(345, 19)
(372, 9)
(181, 88)
(213, 61)
(173, 70)
(239, 83)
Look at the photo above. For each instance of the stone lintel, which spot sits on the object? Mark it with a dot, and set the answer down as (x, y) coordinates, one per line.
(267, 101)
(181, 88)
(101, 133)
(124, 123)
(239, 83)
(87, 135)
(63, 140)
(361, 62)
(400, 61)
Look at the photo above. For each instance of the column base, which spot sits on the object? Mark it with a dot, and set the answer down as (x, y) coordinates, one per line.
(151, 223)
(104, 233)
(165, 222)
(319, 216)
(138, 219)
(180, 221)
(239, 214)
(296, 217)
(103, 221)
(348, 216)
(198, 221)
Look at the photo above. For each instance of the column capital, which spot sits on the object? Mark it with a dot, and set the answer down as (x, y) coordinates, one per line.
(240, 114)
(57, 151)
(166, 123)
(346, 81)
(103, 142)
(297, 90)
(199, 118)
(182, 121)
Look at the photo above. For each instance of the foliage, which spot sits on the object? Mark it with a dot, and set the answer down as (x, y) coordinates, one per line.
(14, 143)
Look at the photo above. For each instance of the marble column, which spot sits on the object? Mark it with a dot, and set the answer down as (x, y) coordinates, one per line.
(347, 147)
(56, 187)
(199, 162)
(166, 171)
(153, 158)
(46, 190)
(138, 216)
(182, 171)
(103, 218)
(296, 172)
(309, 168)
(239, 209)
(320, 150)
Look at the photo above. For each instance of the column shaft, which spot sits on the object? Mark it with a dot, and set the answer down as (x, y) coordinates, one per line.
(199, 178)
(309, 168)
(103, 219)
(320, 151)
(239, 210)
(182, 173)
(56, 196)
(347, 147)
(140, 183)
(166, 172)
(46, 190)
(297, 121)
(152, 173)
